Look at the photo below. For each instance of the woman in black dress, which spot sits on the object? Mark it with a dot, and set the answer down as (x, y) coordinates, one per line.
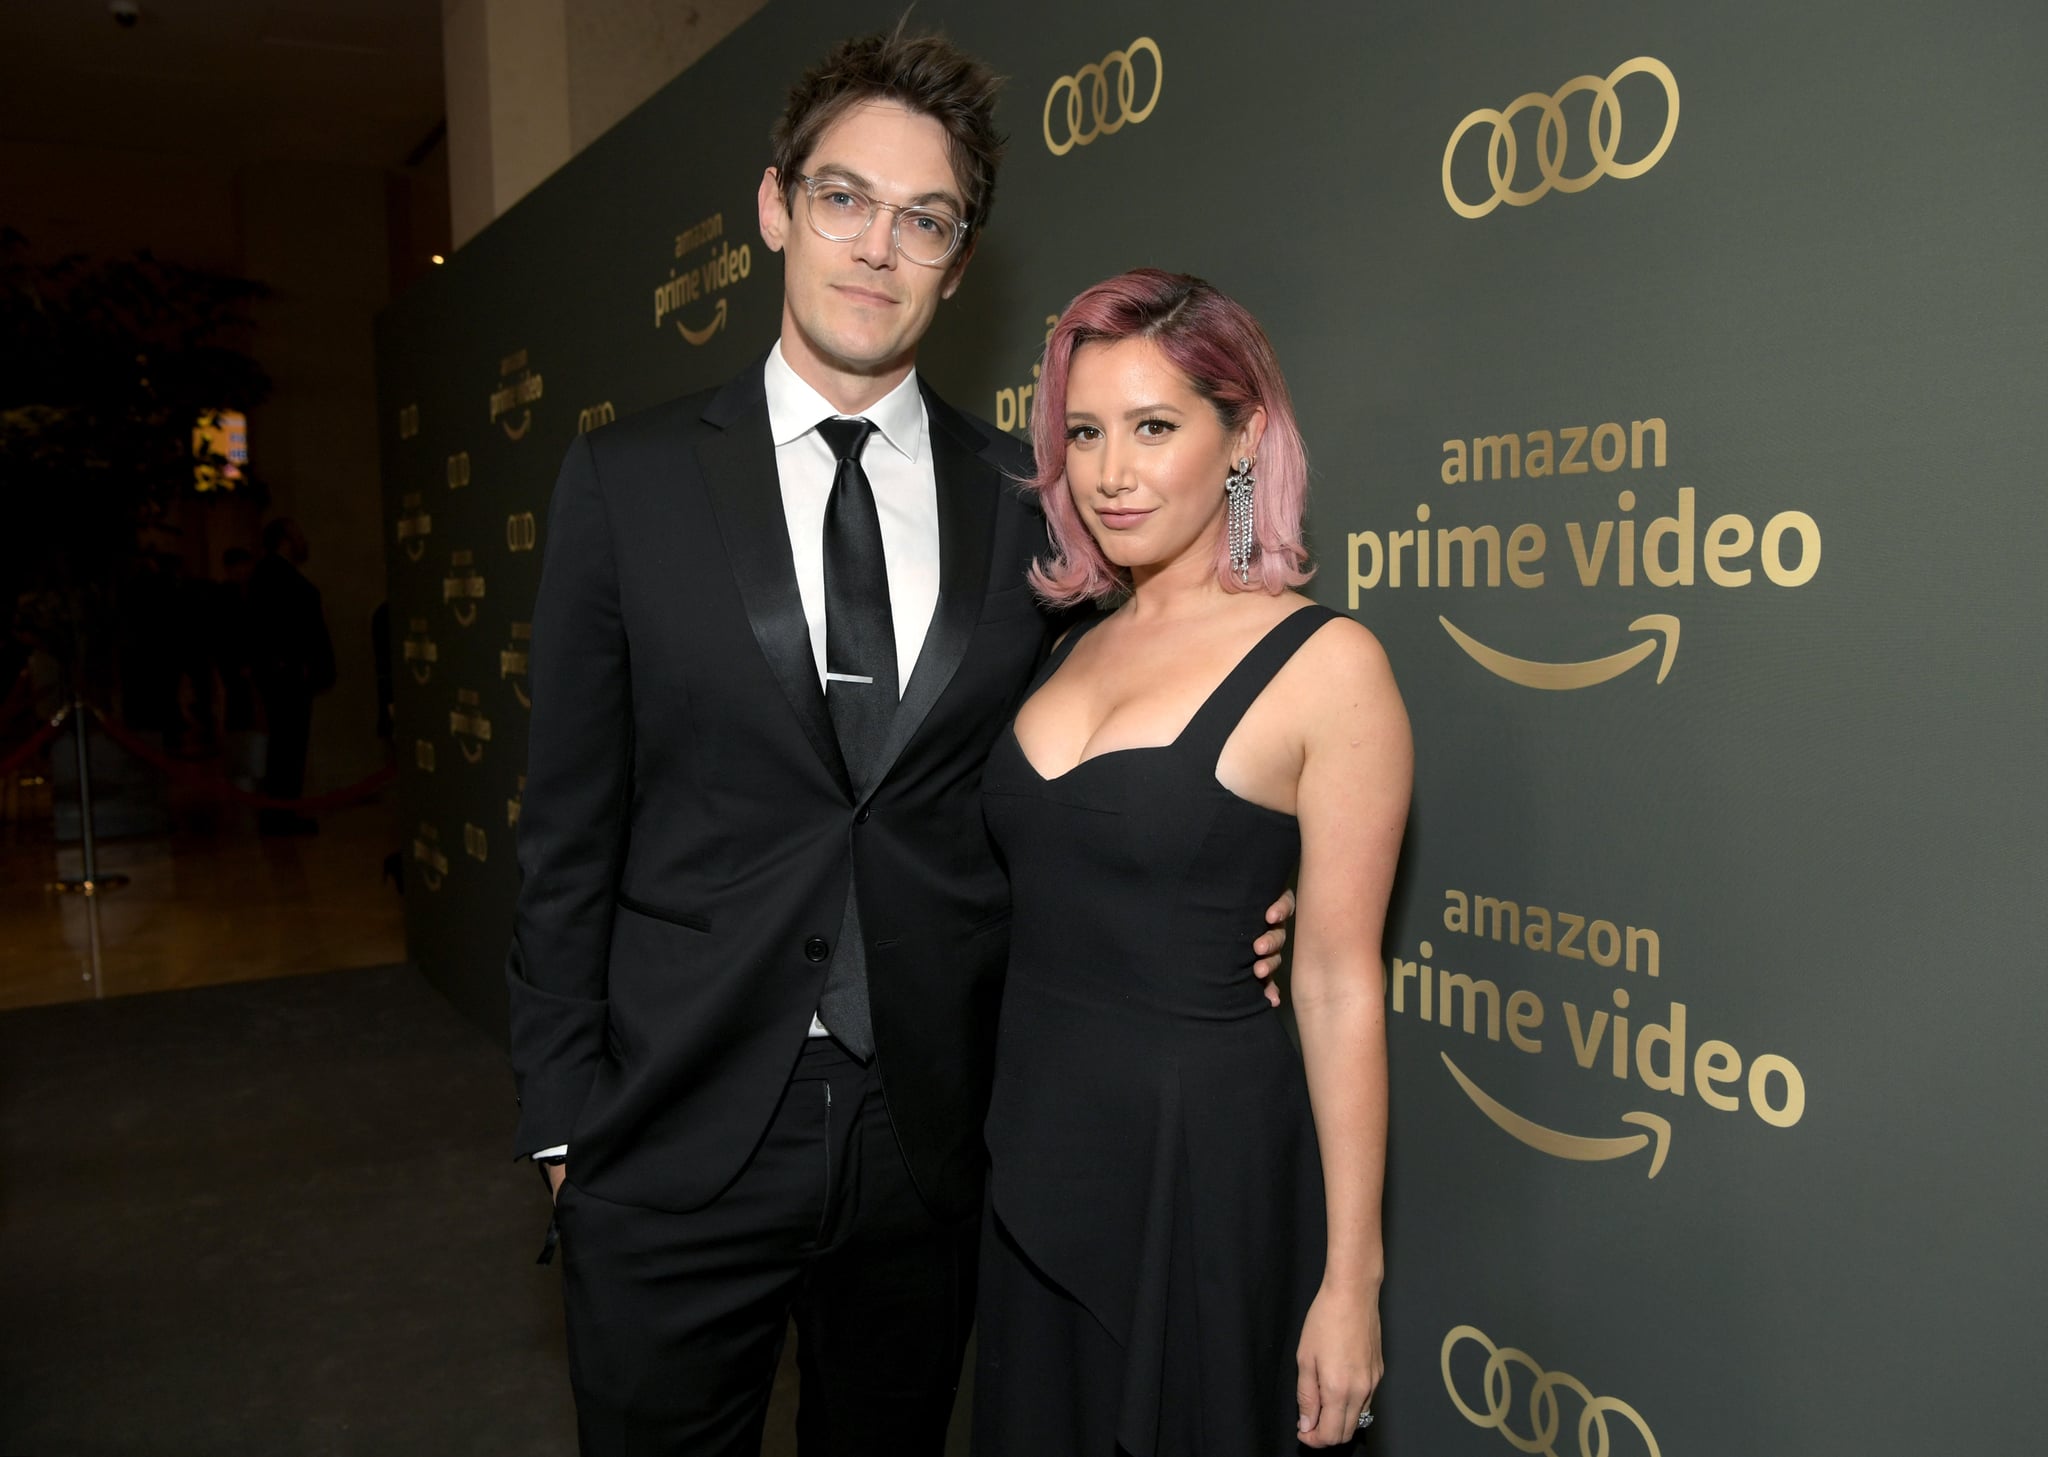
(1183, 1247)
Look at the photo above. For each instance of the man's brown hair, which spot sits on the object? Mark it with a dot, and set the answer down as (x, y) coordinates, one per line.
(926, 74)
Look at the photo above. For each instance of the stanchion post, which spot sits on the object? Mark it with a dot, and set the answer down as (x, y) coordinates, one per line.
(85, 846)
(93, 884)
(84, 791)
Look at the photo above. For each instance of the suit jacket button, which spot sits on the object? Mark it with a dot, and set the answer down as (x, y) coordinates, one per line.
(860, 816)
(817, 948)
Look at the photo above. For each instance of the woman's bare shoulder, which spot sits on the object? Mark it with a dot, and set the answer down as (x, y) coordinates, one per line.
(1343, 671)
(1344, 644)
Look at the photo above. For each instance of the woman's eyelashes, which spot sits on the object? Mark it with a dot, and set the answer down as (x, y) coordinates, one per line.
(1153, 429)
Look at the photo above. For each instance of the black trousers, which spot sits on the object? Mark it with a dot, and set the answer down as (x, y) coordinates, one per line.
(676, 1321)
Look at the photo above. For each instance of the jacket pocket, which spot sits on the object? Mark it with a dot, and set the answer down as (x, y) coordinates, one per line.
(688, 920)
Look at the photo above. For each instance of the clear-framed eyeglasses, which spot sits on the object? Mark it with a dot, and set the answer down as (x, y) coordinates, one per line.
(841, 212)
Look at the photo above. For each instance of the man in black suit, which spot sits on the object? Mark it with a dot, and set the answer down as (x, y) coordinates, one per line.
(761, 931)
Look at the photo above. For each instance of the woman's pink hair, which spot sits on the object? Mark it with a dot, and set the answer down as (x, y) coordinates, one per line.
(1210, 338)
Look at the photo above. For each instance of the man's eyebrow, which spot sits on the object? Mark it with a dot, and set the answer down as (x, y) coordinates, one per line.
(843, 174)
(924, 199)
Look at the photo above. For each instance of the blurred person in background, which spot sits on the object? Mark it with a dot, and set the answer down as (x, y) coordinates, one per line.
(291, 662)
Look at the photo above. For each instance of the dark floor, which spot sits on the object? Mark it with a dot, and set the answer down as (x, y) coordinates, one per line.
(275, 1218)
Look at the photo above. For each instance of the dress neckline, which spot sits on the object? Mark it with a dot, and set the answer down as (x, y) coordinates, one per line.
(1065, 650)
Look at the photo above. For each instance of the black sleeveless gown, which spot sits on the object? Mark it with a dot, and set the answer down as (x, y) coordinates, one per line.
(1155, 1229)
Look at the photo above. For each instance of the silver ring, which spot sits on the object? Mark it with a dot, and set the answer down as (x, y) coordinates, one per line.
(1365, 1419)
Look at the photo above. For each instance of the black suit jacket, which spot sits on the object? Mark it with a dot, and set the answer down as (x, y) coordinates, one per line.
(688, 834)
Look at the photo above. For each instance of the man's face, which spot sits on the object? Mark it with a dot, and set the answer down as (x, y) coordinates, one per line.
(858, 308)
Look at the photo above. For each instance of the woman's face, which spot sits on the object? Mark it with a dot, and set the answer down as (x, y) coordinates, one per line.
(1147, 455)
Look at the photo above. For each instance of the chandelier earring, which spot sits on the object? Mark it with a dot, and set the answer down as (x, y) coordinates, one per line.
(1238, 487)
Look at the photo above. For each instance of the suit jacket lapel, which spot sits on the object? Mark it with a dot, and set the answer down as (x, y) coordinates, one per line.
(967, 494)
(738, 460)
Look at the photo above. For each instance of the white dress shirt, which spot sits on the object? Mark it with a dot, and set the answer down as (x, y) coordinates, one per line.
(898, 462)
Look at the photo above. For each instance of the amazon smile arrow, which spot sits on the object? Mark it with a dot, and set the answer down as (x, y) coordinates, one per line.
(703, 335)
(1560, 676)
(1569, 1145)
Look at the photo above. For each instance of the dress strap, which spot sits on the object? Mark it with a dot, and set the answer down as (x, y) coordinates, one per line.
(1217, 719)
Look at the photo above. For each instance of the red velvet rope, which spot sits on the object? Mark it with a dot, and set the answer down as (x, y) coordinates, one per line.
(211, 781)
(15, 758)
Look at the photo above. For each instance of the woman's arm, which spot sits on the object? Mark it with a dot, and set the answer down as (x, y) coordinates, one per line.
(1352, 804)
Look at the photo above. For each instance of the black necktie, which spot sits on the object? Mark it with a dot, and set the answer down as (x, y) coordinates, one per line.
(860, 689)
(860, 631)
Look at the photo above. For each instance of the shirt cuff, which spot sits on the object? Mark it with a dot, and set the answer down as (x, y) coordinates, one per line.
(560, 1150)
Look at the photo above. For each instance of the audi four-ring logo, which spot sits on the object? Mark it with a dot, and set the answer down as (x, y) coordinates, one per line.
(1096, 112)
(1603, 139)
(1497, 1393)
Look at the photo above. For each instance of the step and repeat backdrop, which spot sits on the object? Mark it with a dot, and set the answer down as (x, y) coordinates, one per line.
(1673, 378)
